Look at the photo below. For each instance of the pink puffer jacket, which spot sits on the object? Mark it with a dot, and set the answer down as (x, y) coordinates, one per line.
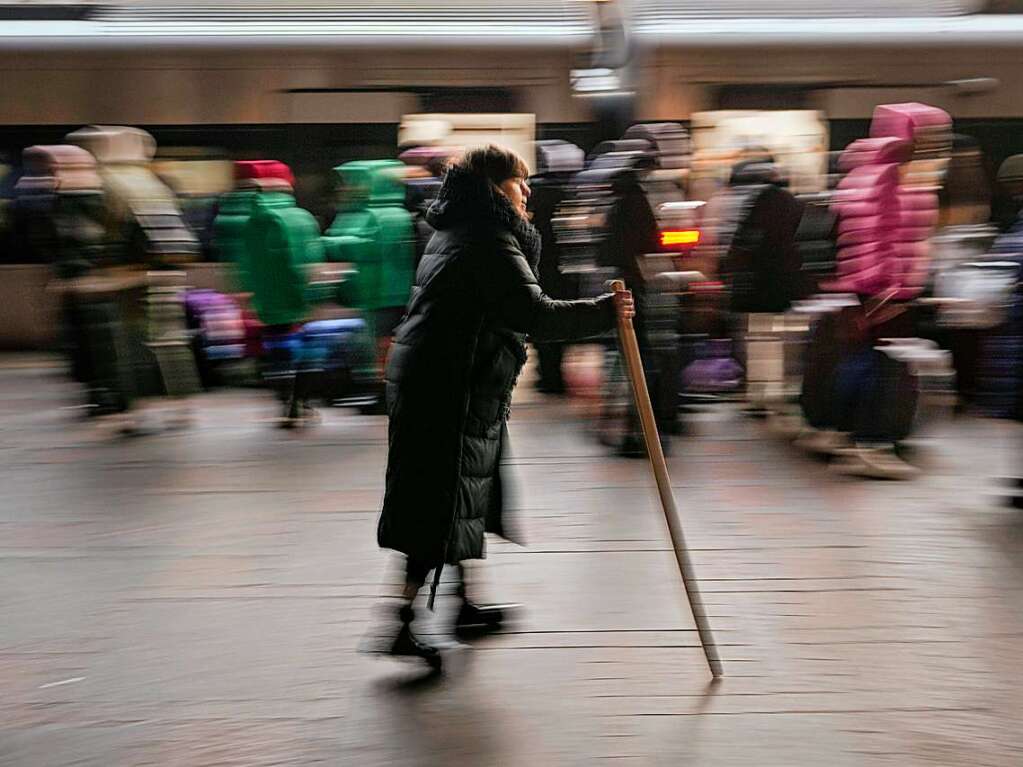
(918, 217)
(929, 131)
(928, 127)
(867, 206)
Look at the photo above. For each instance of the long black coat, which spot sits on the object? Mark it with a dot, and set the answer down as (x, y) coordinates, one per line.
(453, 365)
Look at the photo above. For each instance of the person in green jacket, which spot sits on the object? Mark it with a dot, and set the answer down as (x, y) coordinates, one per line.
(233, 212)
(282, 242)
(374, 232)
(268, 181)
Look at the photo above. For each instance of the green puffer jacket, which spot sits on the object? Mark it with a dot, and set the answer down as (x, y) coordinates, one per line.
(282, 242)
(233, 214)
(455, 360)
(375, 233)
(230, 225)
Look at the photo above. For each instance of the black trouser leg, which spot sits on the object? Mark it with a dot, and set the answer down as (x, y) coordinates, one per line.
(549, 357)
(965, 347)
(301, 386)
(416, 571)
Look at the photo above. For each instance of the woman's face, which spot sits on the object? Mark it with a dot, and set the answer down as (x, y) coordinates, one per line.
(517, 191)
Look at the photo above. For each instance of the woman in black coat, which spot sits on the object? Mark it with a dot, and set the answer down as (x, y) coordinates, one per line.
(455, 359)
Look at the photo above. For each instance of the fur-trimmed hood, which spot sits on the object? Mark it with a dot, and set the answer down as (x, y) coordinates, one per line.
(467, 199)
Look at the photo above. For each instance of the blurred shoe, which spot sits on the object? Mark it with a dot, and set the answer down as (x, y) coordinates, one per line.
(786, 425)
(179, 419)
(676, 428)
(635, 446)
(128, 424)
(405, 644)
(1014, 486)
(632, 447)
(888, 465)
(478, 620)
(873, 463)
(823, 441)
(308, 416)
(289, 422)
(408, 645)
(377, 407)
(81, 412)
(104, 402)
(755, 410)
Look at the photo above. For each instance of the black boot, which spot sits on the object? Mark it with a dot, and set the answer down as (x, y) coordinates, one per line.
(408, 645)
(632, 446)
(478, 620)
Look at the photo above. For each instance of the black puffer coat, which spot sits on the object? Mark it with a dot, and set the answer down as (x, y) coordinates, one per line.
(455, 359)
(762, 267)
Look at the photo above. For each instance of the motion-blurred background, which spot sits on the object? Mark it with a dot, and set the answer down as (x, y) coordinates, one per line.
(210, 219)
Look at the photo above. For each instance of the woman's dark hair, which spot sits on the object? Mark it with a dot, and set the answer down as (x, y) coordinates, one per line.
(493, 163)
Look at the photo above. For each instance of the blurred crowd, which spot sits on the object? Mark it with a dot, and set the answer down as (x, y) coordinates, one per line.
(844, 296)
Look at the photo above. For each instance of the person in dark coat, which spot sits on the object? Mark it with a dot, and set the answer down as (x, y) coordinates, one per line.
(455, 359)
(632, 233)
(420, 193)
(548, 192)
(762, 264)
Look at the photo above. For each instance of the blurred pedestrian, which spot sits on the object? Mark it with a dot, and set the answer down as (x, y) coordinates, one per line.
(632, 232)
(375, 234)
(761, 263)
(559, 160)
(426, 168)
(280, 246)
(1003, 350)
(454, 363)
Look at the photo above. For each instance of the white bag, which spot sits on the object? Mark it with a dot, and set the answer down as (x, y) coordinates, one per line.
(976, 294)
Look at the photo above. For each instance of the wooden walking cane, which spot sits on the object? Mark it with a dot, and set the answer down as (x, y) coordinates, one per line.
(630, 348)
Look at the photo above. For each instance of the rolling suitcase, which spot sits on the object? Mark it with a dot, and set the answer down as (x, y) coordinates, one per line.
(216, 329)
(218, 320)
(340, 356)
(822, 354)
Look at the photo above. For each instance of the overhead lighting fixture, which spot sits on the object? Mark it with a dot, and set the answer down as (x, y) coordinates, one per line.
(597, 82)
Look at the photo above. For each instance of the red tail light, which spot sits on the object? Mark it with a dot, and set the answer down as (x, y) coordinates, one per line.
(677, 238)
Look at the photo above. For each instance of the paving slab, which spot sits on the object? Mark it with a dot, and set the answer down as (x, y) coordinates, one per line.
(198, 598)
